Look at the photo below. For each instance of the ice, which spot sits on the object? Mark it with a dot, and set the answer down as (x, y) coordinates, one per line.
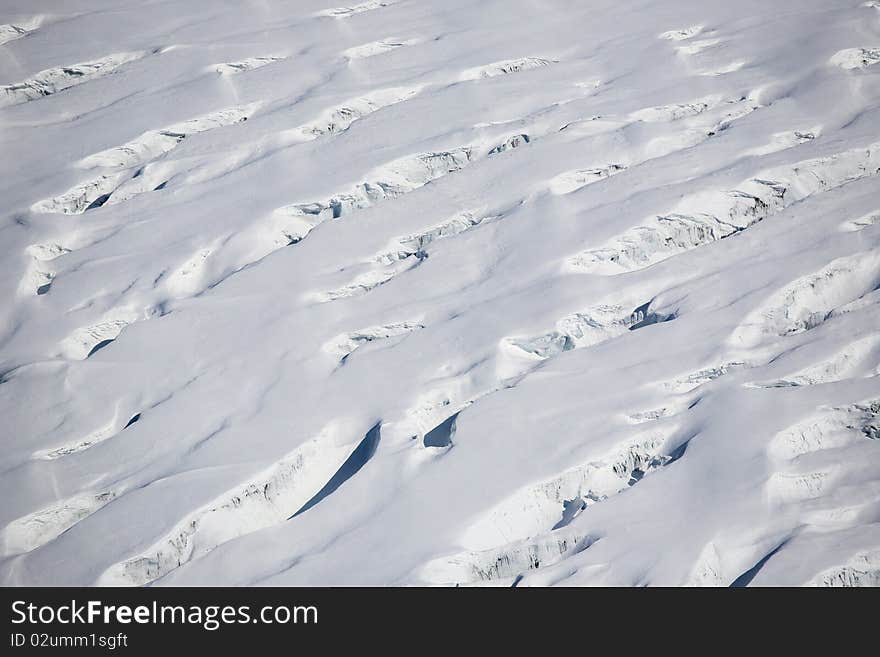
(427, 293)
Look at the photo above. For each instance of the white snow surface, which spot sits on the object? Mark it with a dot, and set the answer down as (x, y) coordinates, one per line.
(475, 292)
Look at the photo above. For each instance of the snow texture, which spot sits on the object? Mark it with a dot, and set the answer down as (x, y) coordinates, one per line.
(447, 293)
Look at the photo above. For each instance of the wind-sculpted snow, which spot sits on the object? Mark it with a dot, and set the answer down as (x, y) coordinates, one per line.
(340, 118)
(154, 144)
(865, 221)
(21, 28)
(505, 67)
(851, 58)
(861, 570)
(346, 12)
(682, 34)
(859, 357)
(709, 217)
(571, 181)
(53, 80)
(343, 345)
(272, 497)
(556, 502)
(92, 439)
(377, 47)
(85, 341)
(249, 64)
(404, 253)
(810, 300)
(583, 329)
(35, 529)
(422, 293)
(110, 188)
(506, 564)
(394, 179)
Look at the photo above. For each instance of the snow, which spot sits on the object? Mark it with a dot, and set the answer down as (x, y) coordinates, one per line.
(414, 292)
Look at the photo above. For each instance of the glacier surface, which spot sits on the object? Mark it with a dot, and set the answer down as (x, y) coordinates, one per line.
(415, 292)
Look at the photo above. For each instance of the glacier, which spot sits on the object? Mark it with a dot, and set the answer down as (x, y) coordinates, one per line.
(462, 293)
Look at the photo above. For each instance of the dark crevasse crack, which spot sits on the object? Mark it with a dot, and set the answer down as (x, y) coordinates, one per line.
(358, 459)
(441, 435)
(643, 316)
(746, 578)
(98, 202)
(510, 143)
(98, 347)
